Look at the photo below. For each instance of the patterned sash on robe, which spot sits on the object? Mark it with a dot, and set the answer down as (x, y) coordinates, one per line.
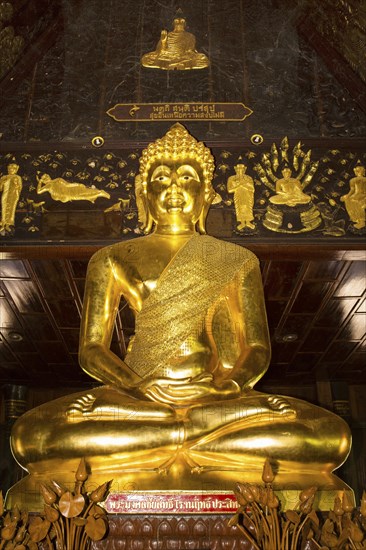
(191, 283)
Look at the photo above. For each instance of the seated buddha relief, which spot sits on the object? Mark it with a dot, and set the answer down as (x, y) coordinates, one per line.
(291, 210)
(181, 403)
(176, 49)
(289, 190)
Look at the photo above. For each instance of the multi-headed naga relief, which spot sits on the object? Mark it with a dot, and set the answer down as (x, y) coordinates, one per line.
(291, 210)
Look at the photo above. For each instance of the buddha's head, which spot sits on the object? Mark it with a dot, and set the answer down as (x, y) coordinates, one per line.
(13, 168)
(286, 172)
(240, 168)
(175, 181)
(179, 24)
(359, 170)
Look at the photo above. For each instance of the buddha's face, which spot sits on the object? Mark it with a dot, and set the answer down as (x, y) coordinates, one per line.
(13, 168)
(240, 168)
(286, 172)
(179, 24)
(359, 170)
(175, 192)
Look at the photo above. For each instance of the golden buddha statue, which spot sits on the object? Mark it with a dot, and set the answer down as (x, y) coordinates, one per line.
(355, 199)
(289, 190)
(182, 401)
(176, 50)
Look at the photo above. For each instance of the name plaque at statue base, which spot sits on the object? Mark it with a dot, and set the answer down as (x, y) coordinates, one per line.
(171, 502)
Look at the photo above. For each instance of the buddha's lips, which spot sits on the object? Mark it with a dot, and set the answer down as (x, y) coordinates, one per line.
(175, 200)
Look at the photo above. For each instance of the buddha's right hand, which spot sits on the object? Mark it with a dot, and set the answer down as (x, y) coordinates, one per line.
(147, 387)
(189, 391)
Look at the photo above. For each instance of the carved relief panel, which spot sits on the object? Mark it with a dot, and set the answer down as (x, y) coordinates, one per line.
(279, 190)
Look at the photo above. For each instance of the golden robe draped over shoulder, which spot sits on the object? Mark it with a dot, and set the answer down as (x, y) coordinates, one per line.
(191, 283)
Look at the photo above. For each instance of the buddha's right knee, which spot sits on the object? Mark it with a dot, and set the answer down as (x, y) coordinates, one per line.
(28, 435)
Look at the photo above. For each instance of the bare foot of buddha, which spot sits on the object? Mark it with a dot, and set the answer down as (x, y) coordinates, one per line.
(280, 405)
(81, 408)
(110, 404)
(214, 420)
(262, 407)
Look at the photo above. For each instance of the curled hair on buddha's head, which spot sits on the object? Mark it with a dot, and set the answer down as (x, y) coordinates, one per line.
(176, 145)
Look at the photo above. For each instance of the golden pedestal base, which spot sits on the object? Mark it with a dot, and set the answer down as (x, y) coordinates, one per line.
(179, 480)
(292, 219)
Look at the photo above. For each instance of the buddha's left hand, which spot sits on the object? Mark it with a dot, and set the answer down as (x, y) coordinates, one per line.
(199, 389)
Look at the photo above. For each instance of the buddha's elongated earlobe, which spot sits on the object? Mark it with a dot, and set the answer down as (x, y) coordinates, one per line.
(201, 223)
(143, 214)
(148, 220)
(148, 223)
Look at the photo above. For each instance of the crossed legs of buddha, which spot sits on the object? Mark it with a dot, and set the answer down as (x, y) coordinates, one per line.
(228, 435)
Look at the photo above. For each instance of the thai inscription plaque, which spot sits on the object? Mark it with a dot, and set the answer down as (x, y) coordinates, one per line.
(152, 112)
(161, 502)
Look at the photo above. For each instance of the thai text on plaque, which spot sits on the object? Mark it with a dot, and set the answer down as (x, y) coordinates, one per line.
(151, 112)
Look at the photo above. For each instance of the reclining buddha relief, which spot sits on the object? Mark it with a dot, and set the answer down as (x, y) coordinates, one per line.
(64, 191)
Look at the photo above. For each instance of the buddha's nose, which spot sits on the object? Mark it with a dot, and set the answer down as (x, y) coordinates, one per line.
(173, 181)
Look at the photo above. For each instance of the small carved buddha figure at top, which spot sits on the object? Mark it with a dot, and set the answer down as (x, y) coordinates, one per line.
(176, 50)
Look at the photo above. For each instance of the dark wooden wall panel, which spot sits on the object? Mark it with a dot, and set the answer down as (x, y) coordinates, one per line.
(82, 58)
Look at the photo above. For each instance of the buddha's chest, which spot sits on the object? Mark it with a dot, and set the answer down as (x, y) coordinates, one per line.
(143, 274)
(147, 279)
